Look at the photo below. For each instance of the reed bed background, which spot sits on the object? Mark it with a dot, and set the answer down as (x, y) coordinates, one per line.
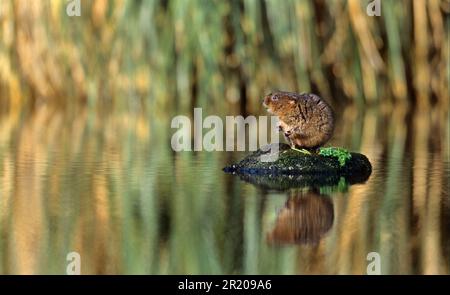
(170, 55)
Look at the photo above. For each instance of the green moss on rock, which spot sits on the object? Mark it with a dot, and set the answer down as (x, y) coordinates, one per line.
(342, 155)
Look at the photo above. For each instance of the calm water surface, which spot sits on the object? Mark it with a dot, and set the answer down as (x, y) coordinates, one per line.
(112, 190)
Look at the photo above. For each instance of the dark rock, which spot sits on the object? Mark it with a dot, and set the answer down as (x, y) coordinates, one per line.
(293, 169)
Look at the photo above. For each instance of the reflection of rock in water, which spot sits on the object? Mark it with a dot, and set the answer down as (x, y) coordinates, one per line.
(305, 219)
(286, 182)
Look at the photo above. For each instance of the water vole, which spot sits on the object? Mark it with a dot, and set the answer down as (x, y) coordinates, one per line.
(305, 119)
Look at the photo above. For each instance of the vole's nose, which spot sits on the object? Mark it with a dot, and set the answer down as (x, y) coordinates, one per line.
(266, 100)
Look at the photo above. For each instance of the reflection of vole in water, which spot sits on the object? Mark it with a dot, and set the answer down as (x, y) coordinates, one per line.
(305, 119)
(305, 219)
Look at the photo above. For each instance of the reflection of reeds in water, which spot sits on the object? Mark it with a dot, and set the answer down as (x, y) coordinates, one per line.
(57, 193)
(110, 188)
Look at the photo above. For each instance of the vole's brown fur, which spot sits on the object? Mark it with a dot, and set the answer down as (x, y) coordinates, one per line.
(306, 120)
